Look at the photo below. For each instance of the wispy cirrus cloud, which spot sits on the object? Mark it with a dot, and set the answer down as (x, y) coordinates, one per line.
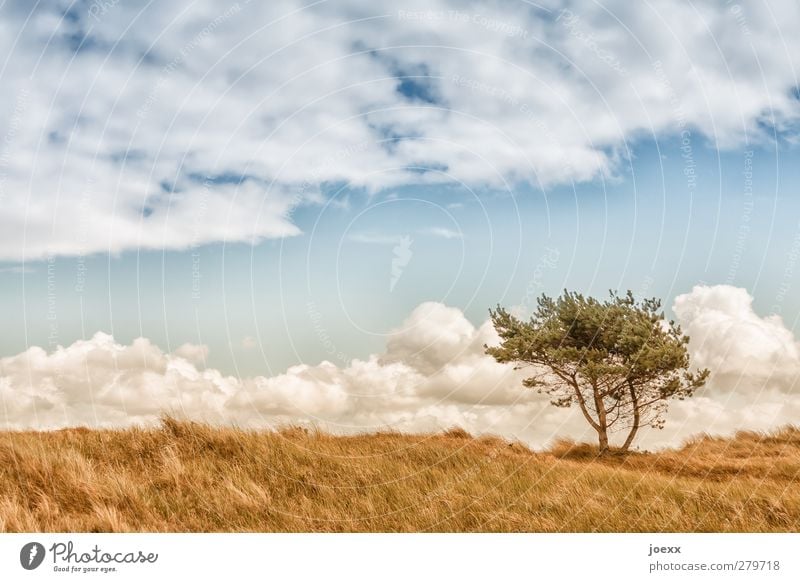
(377, 238)
(374, 238)
(18, 270)
(442, 232)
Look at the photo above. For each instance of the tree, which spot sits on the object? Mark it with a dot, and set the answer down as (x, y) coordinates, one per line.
(618, 360)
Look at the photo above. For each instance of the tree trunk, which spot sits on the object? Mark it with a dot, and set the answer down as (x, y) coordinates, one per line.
(602, 422)
(636, 418)
(602, 437)
(626, 445)
(582, 404)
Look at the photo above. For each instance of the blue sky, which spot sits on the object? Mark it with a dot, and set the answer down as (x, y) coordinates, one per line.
(644, 230)
(204, 203)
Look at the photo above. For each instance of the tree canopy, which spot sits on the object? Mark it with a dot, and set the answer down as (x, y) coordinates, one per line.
(619, 360)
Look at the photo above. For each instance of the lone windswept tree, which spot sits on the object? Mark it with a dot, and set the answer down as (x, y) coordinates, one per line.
(618, 360)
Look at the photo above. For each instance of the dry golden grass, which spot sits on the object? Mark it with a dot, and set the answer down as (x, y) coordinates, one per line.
(191, 477)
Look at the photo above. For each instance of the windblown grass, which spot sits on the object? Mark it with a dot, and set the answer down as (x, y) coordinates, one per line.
(192, 477)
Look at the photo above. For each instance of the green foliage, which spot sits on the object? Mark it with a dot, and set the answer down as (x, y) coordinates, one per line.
(619, 359)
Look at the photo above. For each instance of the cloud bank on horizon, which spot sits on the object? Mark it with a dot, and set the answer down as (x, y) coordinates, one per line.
(433, 375)
(166, 128)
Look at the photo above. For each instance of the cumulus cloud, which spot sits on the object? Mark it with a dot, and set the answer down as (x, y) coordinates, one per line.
(193, 353)
(732, 340)
(158, 127)
(432, 375)
(754, 362)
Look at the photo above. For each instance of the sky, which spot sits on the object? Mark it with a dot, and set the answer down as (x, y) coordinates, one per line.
(296, 212)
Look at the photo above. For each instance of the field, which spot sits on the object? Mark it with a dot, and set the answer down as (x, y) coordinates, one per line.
(191, 477)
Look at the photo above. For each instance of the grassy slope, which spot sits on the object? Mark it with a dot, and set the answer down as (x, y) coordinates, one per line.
(189, 477)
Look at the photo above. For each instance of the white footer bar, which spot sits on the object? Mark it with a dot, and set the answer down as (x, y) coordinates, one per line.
(401, 557)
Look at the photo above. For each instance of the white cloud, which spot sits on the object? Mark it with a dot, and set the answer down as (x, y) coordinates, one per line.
(194, 353)
(18, 270)
(432, 375)
(731, 339)
(373, 238)
(107, 148)
(754, 363)
(442, 232)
